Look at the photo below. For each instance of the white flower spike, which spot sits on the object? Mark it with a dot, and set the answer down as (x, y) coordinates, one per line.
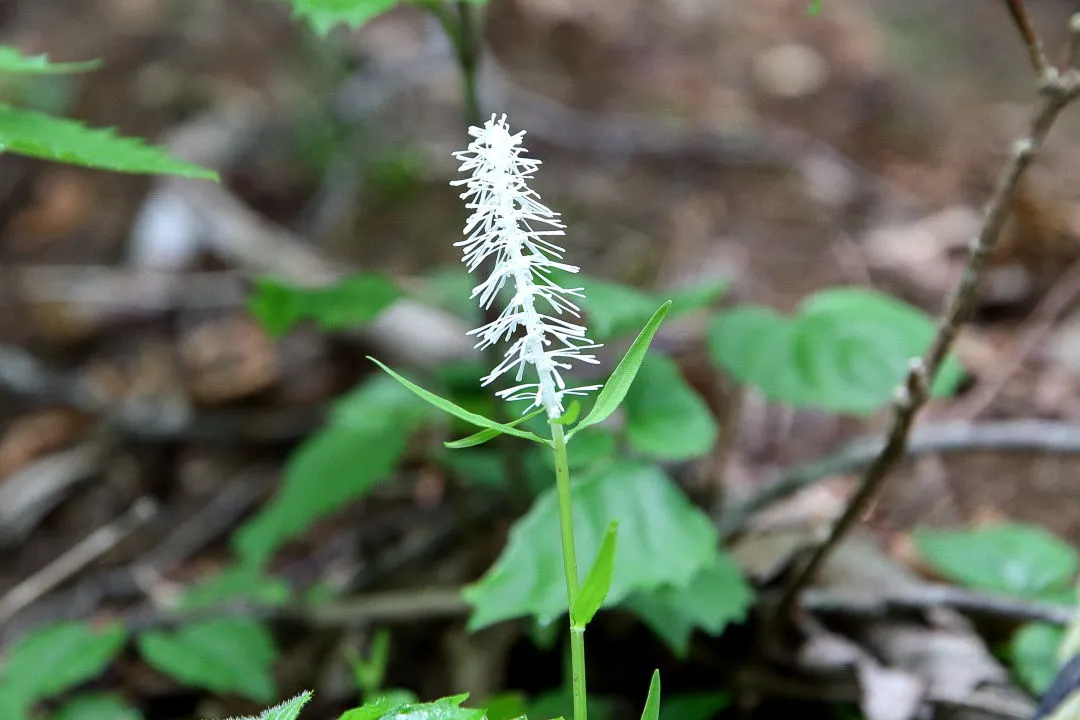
(510, 224)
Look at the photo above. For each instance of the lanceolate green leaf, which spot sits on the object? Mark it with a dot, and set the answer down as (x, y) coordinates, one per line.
(60, 656)
(27, 132)
(665, 417)
(460, 412)
(598, 581)
(226, 655)
(484, 435)
(14, 62)
(619, 383)
(663, 540)
(652, 702)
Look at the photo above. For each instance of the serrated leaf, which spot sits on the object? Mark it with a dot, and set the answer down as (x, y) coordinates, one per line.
(369, 431)
(1033, 651)
(652, 702)
(845, 350)
(323, 15)
(715, 597)
(615, 389)
(597, 582)
(288, 710)
(664, 540)
(695, 706)
(96, 706)
(280, 306)
(27, 132)
(14, 62)
(444, 709)
(665, 417)
(73, 652)
(224, 655)
(1011, 558)
(460, 412)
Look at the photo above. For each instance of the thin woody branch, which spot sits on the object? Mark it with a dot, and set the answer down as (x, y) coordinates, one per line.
(1057, 90)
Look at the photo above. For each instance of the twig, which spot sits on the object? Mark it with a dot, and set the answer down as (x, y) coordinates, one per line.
(1057, 91)
(90, 548)
(1020, 17)
(945, 437)
(1042, 320)
(930, 596)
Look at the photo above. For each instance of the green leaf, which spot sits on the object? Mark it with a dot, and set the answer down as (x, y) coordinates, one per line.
(664, 540)
(1033, 650)
(13, 704)
(652, 702)
(280, 306)
(460, 412)
(559, 704)
(719, 594)
(223, 655)
(444, 709)
(14, 62)
(96, 706)
(695, 706)
(325, 14)
(619, 383)
(1010, 558)
(598, 581)
(72, 652)
(845, 350)
(485, 435)
(239, 583)
(666, 418)
(27, 132)
(288, 710)
(369, 431)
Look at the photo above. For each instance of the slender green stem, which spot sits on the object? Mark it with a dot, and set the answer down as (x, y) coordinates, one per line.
(469, 59)
(570, 570)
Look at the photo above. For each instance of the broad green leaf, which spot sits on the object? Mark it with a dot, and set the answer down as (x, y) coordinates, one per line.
(280, 306)
(665, 417)
(369, 431)
(489, 434)
(652, 702)
(597, 582)
(695, 706)
(27, 132)
(1033, 650)
(96, 706)
(14, 705)
(507, 705)
(1010, 558)
(73, 652)
(238, 583)
(323, 15)
(615, 389)
(288, 710)
(224, 655)
(14, 62)
(845, 350)
(663, 540)
(460, 412)
(716, 596)
(444, 709)
(559, 704)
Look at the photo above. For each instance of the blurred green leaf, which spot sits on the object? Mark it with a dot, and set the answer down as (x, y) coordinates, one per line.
(694, 706)
(444, 709)
(323, 15)
(13, 704)
(370, 428)
(14, 62)
(845, 350)
(719, 594)
(560, 704)
(619, 383)
(224, 655)
(507, 705)
(96, 706)
(238, 583)
(597, 582)
(1010, 558)
(666, 418)
(280, 306)
(60, 656)
(652, 702)
(664, 540)
(1033, 650)
(35, 134)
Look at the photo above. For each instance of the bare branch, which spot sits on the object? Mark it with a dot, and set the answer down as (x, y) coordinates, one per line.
(1023, 22)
